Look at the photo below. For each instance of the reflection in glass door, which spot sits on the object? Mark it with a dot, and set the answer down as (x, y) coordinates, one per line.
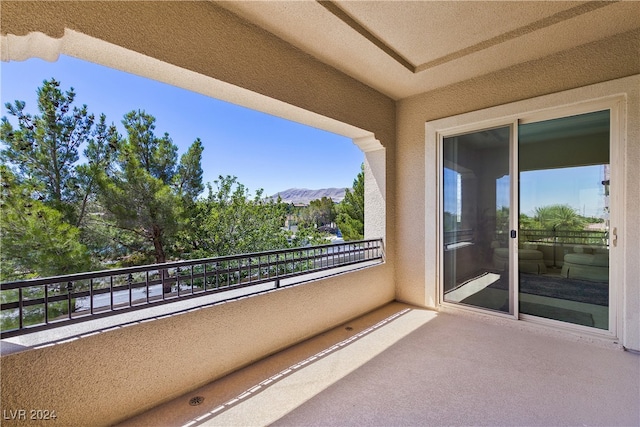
(564, 217)
(475, 218)
(559, 262)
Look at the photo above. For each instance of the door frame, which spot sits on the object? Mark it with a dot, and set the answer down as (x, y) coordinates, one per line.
(530, 111)
(513, 247)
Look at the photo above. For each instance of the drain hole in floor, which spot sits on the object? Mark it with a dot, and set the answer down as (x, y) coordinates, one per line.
(195, 401)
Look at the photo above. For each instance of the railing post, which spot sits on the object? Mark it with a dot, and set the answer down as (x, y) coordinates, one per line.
(46, 304)
(129, 282)
(20, 309)
(178, 280)
(555, 243)
(166, 289)
(191, 276)
(91, 296)
(69, 290)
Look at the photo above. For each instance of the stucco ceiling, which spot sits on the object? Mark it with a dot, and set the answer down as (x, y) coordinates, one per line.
(403, 48)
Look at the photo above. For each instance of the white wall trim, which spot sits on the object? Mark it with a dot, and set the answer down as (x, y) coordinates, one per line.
(368, 143)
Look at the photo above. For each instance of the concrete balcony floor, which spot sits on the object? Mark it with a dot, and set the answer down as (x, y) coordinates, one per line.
(401, 366)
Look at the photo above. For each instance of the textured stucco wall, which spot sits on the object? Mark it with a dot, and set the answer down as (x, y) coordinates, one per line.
(105, 378)
(108, 377)
(416, 163)
(375, 194)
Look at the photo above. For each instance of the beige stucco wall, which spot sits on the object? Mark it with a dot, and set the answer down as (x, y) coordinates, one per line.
(416, 163)
(106, 378)
(375, 194)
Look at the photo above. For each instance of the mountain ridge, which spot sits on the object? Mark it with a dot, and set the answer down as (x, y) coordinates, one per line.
(305, 196)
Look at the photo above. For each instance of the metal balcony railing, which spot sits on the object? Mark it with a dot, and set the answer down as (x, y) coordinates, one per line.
(37, 304)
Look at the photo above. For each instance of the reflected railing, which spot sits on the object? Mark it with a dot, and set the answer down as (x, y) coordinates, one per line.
(42, 303)
(600, 238)
(456, 237)
(570, 237)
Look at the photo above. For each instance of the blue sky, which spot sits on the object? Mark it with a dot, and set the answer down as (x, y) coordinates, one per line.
(263, 151)
(578, 187)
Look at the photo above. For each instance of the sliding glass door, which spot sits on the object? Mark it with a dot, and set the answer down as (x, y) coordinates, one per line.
(564, 215)
(475, 217)
(525, 218)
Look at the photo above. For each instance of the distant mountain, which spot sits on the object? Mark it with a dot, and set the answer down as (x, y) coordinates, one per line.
(303, 196)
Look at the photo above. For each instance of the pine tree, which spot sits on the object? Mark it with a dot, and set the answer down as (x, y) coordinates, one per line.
(43, 148)
(44, 190)
(351, 210)
(188, 179)
(137, 193)
(35, 239)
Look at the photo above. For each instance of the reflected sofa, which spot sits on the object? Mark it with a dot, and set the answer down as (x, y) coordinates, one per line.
(587, 263)
(530, 259)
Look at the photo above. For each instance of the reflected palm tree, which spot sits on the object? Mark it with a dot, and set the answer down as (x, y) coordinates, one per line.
(556, 217)
(559, 217)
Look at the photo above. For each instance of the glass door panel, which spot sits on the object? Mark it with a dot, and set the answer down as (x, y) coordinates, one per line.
(563, 255)
(475, 218)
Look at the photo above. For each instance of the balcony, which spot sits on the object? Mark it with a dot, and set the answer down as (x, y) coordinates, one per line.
(400, 365)
(310, 354)
(299, 356)
(125, 356)
(40, 304)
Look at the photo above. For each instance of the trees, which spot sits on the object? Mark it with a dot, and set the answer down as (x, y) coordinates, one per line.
(124, 196)
(100, 152)
(230, 221)
(44, 147)
(188, 178)
(145, 194)
(76, 195)
(559, 223)
(42, 186)
(36, 241)
(309, 235)
(351, 210)
(321, 212)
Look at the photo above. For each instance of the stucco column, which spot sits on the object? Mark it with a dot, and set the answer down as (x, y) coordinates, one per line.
(374, 186)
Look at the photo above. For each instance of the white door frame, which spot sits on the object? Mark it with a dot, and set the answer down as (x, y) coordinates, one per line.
(529, 111)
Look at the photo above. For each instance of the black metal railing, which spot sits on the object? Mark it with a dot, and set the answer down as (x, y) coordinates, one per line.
(37, 304)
